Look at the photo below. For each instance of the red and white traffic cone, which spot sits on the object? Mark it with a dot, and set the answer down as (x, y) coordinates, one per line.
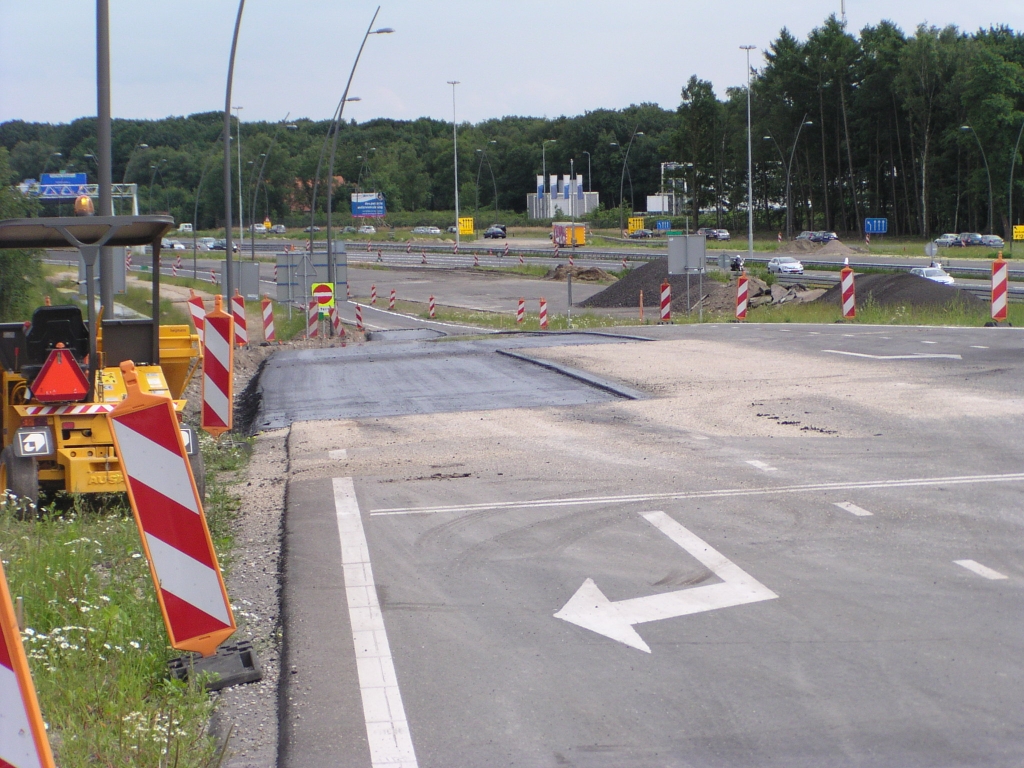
(521, 310)
(313, 319)
(238, 310)
(543, 314)
(666, 302)
(197, 310)
(359, 317)
(430, 307)
(218, 369)
(268, 320)
(741, 296)
(373, 295)
(999, 297)
(169, 515)
(391, 300)
(849, 294)
(476, 260)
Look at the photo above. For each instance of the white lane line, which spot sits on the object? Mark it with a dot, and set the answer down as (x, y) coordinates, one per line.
(849, 335)
(929, 342)
(387, 729)
(978, 346)
(853, 509)
(981, 570)
(714, 494)
(761, 465)
(916, 356)
(339, 455)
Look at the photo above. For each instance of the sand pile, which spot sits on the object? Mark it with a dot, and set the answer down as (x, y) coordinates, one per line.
(583, 274)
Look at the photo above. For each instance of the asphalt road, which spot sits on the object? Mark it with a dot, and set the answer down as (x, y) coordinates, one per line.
(489, 565)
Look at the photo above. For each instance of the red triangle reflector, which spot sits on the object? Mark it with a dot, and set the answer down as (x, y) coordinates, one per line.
(60, 380)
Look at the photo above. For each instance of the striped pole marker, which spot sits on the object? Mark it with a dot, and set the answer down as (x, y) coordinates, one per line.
(849, 295)
(218, 369)
(213, 277)
(128, 259)
(506, 250)
(174, 270)
(557, 249)
(431, 308)
(197, 309)
(543, 314)
(572, 261)
(408, 247)
(169, 514)
(367, 246)
(741, 296)
(313, 319)
(780, 238)
(359, 317)
(623, 265)
(348, 292)
(268, 320)
(177, 264)
(999, 276)
(380, 256)
(373, 295)
(666, 302)
(521, 311)
(238, 310)
(641, 306)
(867, 238)
(521, 260)
(23, 742)
(476, 260)
(455, 249)
(391, 299)
(424, 259)
(275, 274)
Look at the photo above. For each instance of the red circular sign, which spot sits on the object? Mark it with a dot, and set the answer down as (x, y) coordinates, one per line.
(323, 293)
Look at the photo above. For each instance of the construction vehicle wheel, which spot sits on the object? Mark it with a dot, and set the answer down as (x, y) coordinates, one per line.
(19, 475)
(195, 461)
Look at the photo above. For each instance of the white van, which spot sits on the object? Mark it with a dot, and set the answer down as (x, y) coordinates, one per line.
(186, 227)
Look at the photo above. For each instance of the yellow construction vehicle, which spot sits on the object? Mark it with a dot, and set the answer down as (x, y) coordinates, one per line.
(60, 373)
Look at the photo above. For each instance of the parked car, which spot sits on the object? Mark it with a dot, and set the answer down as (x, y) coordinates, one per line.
(992, 241)
(421, 230)
(805, 235)
(722, 234)
(496, 232)
(785, 265)
(279, 229)
(938, 274)
(823, 237)
(708, 232)
(971, 238)
(949, 240)
(315, 229)
(367, 229)
(258, 229)
(349, 231)
(177, 245)
(207, 242)
(222, 245)
(433, 230)
(639, 234)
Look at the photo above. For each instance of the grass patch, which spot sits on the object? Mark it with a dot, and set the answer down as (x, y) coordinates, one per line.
(870, 313)
(141, 300)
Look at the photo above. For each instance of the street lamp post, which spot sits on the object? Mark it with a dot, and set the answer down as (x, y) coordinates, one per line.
(455, 142)
(1009, 196)
(750, 165)
(544, 172)
(131, 156)
(483, 157)
(590, 185)
(789, 171)
(229, 282)
(622, 176)
(969, 127)
(241, 214)
(195, 216)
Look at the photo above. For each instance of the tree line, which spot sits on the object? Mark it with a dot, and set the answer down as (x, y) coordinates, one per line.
(922, 129)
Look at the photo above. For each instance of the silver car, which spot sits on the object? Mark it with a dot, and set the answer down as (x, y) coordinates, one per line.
(785, 265)
(937, 274)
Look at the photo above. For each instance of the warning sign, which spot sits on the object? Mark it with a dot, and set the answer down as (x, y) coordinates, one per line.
(1018, 232)
(635, 223)
(466, 225)
(324, 295)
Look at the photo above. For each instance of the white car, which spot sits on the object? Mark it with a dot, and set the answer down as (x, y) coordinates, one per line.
(207, 242)
(367, 229)
(938, 274)
(785, 265)
(948, 241)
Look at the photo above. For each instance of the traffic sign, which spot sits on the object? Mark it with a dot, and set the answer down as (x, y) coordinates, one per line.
(466, 225)
(876, 226)
(635, 223)
(324, 295)
(1018, 232)
(662, 224)
(931, 249)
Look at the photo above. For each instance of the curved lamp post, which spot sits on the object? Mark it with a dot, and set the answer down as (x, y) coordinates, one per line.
(479, 168)
(750, 164)
(229, 282)
(590, 186)
(622, 176)
(131, 156)
(544, 171)
(1009, 196)
(455, 144)
(789, 169)
(965, 129)
(195, 215)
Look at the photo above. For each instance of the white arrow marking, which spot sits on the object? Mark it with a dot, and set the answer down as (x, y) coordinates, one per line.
(920, 356)
(590, 609)
(33, 443)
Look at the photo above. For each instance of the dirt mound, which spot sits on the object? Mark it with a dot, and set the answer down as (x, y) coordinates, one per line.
(649, 277)
(836, 248)
(583, 274)
(903, 289)
(798, 246)
(831, 248)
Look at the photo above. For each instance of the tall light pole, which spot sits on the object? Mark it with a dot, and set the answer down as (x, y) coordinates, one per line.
(229, 282)
(131, 156)
(622, 176)
(483, 157)
(1009, 196)
(103, 161)
(965, 129)
(590, 185)
(544, 172)
(238, 141)
(455, 142)
(789, 171)
(750, 165)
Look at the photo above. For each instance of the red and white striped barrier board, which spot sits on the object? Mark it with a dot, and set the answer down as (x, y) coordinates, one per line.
(521, 310)
(522, 261)
(424, 259)
(557, 249)
(23, 742)
(391, 299)
(867, 239)
(849, 296)
(198, 311)
(623, 265)
(455, 249)
(506, 249)
(268, 320)
(335, 316)
(313, 319)
(742, 293)
(238, 310)
(476, 260)
(68, 410)
(170, 517)
(408, 247)
(543, 314)
(359, 317)
(431, 308)
(373, 295)
(174, 270)
(666, 302)
(213, 277)
(218, 369)
(999, 275)
(128, 260)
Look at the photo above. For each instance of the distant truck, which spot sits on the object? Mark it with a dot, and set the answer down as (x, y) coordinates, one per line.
(565, 233)
(185, 227)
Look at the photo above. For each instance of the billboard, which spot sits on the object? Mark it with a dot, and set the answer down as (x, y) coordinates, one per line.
(368, 205)
(70, 179)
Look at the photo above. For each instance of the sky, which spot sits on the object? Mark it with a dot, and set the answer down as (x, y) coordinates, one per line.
(531, 58)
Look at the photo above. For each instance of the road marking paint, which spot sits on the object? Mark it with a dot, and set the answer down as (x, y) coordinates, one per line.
(849, 335)
(761, 465)
(929, 342)
(981, 570)
(978, 346)
(387, 729)
(915, 356)
(339, 455)
(714, 494)
(853, 508)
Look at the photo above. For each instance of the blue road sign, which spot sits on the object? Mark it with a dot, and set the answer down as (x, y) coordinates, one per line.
(61, 179)
(662, 224)
(876, 226)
